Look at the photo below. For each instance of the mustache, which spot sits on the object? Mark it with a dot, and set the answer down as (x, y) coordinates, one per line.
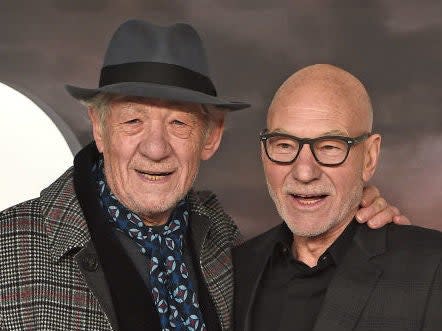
(315, 190)
(161, 166)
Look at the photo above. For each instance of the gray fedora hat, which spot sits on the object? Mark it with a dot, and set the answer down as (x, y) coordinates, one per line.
(151, 61)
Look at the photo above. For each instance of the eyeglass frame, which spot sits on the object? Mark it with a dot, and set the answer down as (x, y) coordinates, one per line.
(264, 135)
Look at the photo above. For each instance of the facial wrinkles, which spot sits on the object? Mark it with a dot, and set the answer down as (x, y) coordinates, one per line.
(310, 105)
(121, 162)
(308, 120)
(348, 207)
(345, 212)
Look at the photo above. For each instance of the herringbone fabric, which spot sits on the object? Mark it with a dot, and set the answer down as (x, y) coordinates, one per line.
(41, 285)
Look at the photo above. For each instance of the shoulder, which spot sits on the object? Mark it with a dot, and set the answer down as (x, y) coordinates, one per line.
(61, 190)
(29, 215)
(403, 246)
(401, 237)
(266, 239)
(206, 204)
(22, 212)
(414, 238)
(22, 236)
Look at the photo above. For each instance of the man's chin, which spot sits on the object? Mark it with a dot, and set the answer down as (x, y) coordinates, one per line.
(311, 225)
(157, 206)
(307, 232)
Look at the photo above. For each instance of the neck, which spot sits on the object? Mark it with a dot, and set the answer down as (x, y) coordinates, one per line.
(157, 219)
(309, 249)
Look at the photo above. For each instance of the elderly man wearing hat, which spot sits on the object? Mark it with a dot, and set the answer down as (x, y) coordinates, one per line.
(121, 241)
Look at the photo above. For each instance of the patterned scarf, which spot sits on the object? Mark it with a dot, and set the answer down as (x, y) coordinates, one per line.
(171, 287)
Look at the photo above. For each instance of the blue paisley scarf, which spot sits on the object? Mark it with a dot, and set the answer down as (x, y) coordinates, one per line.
(171, 287)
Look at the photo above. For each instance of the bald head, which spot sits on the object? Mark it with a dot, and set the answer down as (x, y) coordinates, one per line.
(317, 188)
(325, 86)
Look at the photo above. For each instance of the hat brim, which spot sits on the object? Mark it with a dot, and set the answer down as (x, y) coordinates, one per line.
(150, 90)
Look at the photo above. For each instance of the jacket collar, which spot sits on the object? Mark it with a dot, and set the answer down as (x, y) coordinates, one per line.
(354, 281)
(67, 229)
(213, 233)
(252, 256)
(208, 216)
(64, 220)
(249, 261)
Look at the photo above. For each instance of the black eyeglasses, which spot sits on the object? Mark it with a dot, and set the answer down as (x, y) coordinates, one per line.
(327, 150)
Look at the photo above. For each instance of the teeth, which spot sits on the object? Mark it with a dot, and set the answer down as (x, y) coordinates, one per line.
(153, 177)
(310, 201)
(307, 199)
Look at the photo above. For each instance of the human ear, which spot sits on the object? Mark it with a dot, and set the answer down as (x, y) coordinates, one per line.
(97, 129)
(213, 138)
(371, 156)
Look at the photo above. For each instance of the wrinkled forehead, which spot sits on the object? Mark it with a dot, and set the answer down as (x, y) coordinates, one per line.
(130, 101)
(312, 109)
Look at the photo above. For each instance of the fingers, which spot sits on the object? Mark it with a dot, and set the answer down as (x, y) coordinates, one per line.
(376, 212)
(401, 220)
(369, 195)
(377, 206)
(380, 219)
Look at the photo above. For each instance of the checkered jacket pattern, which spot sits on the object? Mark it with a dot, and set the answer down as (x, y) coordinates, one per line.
(41, 285)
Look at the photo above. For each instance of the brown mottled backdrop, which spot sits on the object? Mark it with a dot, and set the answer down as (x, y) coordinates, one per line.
(394, 46)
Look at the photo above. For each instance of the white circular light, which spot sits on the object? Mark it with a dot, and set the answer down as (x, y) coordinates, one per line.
(33, 151)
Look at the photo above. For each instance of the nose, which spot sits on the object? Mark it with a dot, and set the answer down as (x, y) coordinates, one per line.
(155, 142)
(305, 168)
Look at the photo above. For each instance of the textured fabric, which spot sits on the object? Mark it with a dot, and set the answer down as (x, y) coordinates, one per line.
(172, 290)
(42, 287)
(290, 292)
(389, 280)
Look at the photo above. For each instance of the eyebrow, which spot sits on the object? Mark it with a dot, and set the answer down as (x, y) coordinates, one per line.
(328, 133)
(335, 133)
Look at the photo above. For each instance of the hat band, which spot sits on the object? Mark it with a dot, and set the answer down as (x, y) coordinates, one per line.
(156, 73)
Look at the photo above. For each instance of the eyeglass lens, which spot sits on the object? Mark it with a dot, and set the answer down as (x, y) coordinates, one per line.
(327, 151)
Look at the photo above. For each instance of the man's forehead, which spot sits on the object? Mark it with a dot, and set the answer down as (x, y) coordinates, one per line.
(133, 101)
(311, 112)
(313, 121)
(313, 108)
(320, 92)
(323, 133)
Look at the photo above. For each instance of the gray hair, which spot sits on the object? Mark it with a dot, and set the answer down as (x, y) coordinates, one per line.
(100, 104)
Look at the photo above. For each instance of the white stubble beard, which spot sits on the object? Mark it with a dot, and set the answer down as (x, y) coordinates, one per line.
(346, 212)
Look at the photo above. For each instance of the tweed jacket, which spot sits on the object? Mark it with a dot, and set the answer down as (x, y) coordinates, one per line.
(50, 278)
(389, 280)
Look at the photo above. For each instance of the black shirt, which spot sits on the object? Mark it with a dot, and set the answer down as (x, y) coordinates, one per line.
(290, 293)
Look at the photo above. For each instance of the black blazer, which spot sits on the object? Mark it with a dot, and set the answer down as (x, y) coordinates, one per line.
(390, 279)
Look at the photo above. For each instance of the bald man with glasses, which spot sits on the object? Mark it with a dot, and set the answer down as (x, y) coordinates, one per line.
(320, 269)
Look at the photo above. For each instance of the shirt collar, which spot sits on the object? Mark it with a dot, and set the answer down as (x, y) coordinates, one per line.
(337, 251)
(340, 246)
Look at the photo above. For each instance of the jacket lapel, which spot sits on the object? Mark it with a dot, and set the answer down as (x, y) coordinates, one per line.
(68, 235)
(64, 221)
(199, 227)
(93, 274)
(131, 298)
(249, 261)
(354, 281)
(213, 233)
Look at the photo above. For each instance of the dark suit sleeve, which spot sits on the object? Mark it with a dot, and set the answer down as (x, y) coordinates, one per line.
(433, 315)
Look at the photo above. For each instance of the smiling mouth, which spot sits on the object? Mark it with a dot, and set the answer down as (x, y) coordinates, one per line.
(307, 199)
(154, 176)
